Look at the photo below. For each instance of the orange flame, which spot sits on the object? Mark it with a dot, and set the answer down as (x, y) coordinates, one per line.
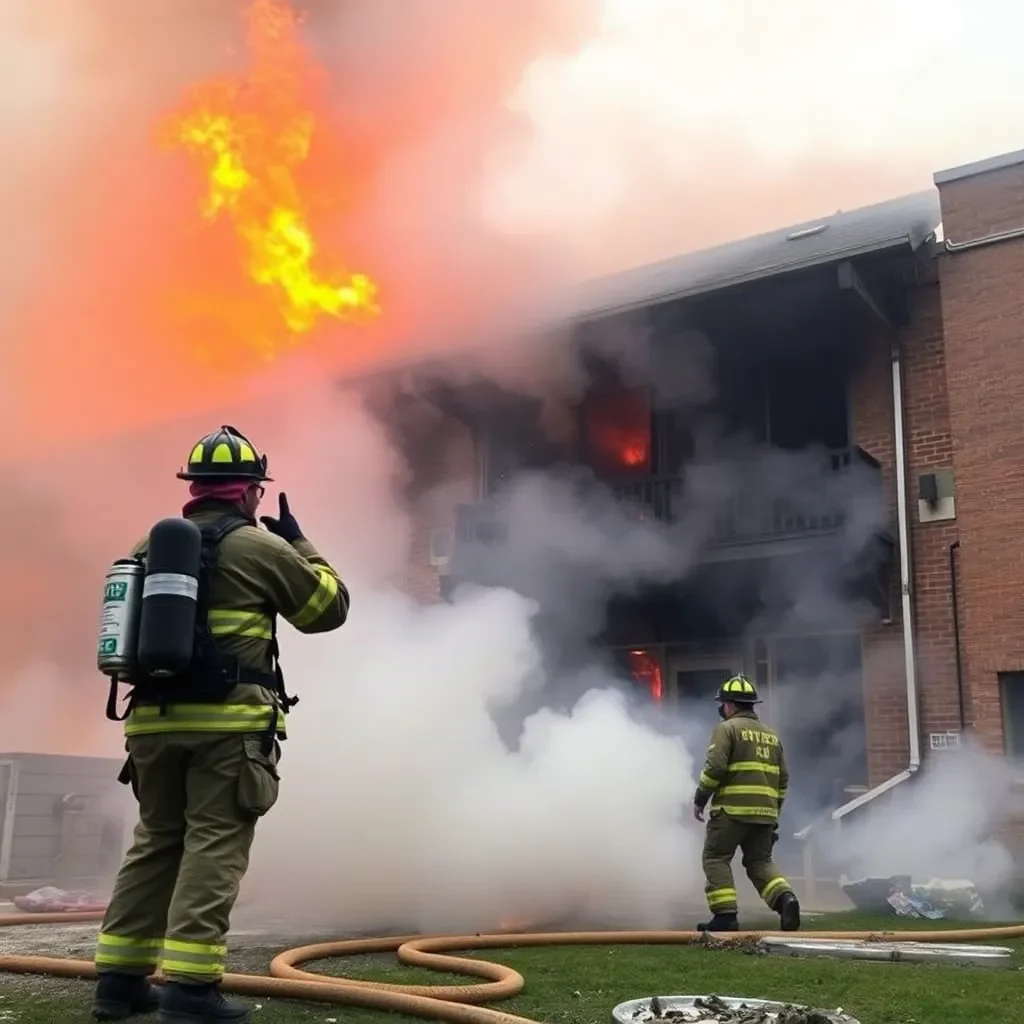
(252, 134)
(645, 668)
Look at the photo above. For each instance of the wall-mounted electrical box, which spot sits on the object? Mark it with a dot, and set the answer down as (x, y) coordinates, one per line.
(935, 499)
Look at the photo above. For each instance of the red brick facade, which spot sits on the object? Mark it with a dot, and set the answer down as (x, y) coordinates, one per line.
(963, 387)
(983, 319)
(929, 447)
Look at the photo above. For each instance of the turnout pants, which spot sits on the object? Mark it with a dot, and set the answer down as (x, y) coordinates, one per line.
(723, 837)
(200, 795)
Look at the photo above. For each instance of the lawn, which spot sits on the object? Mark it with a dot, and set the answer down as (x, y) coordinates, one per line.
(580, 985)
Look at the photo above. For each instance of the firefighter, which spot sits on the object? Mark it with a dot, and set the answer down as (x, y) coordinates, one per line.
(744, 779)
(204, 772)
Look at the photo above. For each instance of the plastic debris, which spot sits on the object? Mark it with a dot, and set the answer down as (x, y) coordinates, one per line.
(51, 900)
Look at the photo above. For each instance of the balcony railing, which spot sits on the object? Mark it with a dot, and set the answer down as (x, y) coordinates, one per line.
(819, 505)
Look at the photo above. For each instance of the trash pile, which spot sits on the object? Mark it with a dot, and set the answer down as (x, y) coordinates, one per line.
(934, 899)
(716, 1010)
(50, 900)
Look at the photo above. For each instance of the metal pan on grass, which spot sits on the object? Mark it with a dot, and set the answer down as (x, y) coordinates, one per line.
(722, 1010)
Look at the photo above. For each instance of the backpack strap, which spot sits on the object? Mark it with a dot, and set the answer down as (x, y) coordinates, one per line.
(273, 681)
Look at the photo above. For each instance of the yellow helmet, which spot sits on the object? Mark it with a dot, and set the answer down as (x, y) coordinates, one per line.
(226, 454)
(738, 689)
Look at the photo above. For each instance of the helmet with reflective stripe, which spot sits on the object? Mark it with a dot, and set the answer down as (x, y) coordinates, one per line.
(226, 454)
(738, 689)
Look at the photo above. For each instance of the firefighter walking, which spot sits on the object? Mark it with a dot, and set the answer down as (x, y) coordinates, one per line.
(203, 750)
(744, 780)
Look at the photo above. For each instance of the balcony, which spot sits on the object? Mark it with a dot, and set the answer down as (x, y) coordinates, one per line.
(751, 521)
(821, 508)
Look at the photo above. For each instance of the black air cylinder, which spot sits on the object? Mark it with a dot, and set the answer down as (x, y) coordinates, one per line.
(167, 620)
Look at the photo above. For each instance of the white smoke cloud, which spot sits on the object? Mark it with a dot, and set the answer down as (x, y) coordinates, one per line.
(942, 824)
(405, 807)
(401, 798)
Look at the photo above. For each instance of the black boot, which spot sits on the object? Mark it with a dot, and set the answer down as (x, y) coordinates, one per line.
(199, 1004)
(721, 923)
(118, 996)
(788, 908)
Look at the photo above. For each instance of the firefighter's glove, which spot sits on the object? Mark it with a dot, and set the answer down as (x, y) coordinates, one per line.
(285, 526)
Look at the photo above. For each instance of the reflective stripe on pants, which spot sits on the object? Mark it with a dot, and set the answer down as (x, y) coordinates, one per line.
(195, 959)
(125, 954)
(723, 837)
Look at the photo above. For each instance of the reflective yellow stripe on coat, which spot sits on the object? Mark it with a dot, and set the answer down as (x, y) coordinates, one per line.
(223, 622)
(147, 720)
(319, 601)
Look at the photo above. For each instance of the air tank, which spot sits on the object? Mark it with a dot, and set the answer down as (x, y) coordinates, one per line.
(167, 620)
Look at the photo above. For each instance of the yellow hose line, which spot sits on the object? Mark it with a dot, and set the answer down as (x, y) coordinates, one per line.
(441, 1002)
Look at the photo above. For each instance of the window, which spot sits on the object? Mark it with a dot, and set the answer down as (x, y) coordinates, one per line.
(807, 402)
(617, 433)
(1011, 693)
(645, 668)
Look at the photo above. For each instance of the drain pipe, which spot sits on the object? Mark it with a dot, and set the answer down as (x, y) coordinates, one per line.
(979, 243)
(906, 593)
(955, 602)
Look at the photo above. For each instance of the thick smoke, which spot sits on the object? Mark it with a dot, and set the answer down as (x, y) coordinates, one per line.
(402, 800)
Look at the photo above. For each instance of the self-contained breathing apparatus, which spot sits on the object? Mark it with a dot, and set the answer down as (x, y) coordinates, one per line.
(154, 634)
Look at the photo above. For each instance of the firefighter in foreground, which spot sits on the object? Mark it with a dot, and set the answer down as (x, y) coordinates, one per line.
(202, 749)
(744, 779)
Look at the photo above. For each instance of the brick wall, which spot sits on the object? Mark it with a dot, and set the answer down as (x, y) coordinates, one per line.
(983, 315)
(929, 447)
(436, 510)
(885, 707)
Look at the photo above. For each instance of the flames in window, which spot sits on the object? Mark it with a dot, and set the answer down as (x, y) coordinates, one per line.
(617, 432)
(645, 668)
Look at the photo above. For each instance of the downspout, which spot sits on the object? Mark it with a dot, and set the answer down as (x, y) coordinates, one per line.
(906, 593)
(955, 602)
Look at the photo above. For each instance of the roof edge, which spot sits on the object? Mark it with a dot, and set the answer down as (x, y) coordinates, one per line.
(890, 243)
(976, 167)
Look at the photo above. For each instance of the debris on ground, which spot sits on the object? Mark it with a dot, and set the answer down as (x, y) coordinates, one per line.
(935, 899)
(718, 1010)
(51, 900)
(750, 946)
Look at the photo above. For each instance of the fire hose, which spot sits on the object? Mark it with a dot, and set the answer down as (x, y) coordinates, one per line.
(454, 1003)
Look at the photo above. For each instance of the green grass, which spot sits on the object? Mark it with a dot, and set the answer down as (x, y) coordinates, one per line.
(580, 985)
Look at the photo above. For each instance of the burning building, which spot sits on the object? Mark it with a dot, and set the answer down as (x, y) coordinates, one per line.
(820, 423)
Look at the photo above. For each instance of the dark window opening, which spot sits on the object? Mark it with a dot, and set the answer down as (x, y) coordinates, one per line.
(700, 684)
(807, 403)
(674, 440)
(789, 398)
(513, 441)
(1011, 693)
(617, 433)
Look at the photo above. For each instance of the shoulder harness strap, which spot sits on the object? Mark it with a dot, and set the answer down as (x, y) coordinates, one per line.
(213, 534)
